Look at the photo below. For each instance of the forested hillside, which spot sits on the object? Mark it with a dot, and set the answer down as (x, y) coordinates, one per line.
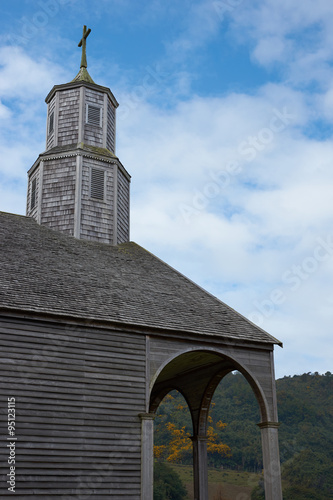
(305, 406)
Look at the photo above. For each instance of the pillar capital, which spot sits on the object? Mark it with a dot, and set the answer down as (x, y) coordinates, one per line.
(147, 416)
(269, 425)
(198, 438)
(270, 448)
(200, 470)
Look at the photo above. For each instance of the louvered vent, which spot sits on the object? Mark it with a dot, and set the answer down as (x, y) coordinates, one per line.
(33, 194)
(51, 122)
(97, 184)
(94, 115)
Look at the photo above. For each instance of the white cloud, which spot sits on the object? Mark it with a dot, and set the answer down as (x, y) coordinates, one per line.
(23, 77)
(200, 25)
(24, 84)
(241, 240)
(325, 103)
(297, 35)
(12, 197)
(270, 49)
(5, 112)
(180, 166)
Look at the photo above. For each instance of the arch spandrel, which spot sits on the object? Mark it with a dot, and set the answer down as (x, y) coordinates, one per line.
(197, 370)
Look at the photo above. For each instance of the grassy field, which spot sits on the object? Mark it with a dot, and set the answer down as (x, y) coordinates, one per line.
(222, 484)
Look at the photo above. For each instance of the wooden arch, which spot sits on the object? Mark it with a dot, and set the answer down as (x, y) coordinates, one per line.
(196, 373)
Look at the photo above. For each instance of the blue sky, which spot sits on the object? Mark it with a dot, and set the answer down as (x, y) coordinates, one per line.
(225, 124)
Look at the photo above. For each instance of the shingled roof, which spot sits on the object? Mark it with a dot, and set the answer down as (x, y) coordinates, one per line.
(44, 271)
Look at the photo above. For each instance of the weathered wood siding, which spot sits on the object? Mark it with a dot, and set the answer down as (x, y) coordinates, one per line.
(93, 135)
(68, 117)
(123, 208)
(111, 128)
(97, 215)
(59, 194)
(78, 394)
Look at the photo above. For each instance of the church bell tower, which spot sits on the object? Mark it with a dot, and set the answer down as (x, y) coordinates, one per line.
(78, 185)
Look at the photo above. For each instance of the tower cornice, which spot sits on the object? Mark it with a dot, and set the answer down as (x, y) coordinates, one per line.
(57, 154)
(81, 83)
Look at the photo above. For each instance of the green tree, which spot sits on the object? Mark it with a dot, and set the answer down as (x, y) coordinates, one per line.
(167, 483)
(302, 493)
(258, 493)
(305, 404)
(312, 472)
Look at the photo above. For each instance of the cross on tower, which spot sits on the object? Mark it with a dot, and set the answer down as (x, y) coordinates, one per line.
(83, 43)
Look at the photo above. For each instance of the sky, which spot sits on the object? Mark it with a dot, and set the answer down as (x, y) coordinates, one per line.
(225, 124)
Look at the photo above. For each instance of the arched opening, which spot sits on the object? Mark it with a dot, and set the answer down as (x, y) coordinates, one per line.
(173, 454)
(172, 430)
(234, 414)
(235, 403)
(196, 374)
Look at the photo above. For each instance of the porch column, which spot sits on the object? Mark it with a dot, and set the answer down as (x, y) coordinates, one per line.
(271, 459)
(200, 470)
(147, 455)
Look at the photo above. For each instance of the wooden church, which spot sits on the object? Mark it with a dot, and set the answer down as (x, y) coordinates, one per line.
(95, 330)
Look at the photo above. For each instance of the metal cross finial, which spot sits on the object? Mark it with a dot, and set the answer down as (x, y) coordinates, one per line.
(83, 43)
